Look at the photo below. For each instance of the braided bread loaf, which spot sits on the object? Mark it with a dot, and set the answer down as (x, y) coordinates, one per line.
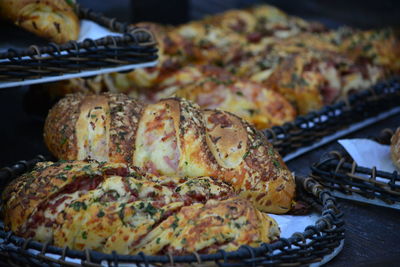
(111, 207)
(171, 137)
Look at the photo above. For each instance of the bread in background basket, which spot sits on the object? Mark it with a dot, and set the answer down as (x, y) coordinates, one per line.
(54, 20)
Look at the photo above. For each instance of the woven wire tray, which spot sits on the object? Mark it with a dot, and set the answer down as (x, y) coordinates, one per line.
(317, 244)
(339, 173)
(135, 48)
(317, 128)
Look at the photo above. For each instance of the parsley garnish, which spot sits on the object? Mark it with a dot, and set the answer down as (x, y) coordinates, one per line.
(100, 214)
(150, 209)
(63, 140)
(84, 235)
(239, 93)
(121, 211)
(276, 163)
(77, 205)
(68, 167)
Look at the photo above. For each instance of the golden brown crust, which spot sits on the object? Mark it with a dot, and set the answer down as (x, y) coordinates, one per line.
(110, 207)
(251, 101)
(54, 20)
(107, 122)
(174, 137)
(59, 130)
(261, 176)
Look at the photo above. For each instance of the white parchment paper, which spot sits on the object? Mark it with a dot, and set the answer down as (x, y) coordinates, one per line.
(92, 30)
(368, 153)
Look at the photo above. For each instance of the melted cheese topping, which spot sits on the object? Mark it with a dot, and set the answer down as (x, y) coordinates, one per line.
(157, 144)
(92, 130)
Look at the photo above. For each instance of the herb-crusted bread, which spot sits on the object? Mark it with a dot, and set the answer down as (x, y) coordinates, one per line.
(112, 207)
(171, 137)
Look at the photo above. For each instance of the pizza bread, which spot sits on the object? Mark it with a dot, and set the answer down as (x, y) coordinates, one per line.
(111, 207)
(171, 137)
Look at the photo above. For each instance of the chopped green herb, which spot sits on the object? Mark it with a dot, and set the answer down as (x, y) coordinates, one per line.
(93, 116)
(68, 167)
(239, 93)
(61, 176)
(70, 2)
(183, 241)
(63, 140)
(77, 205)
(139, 186)
(237, 225)
(276, 163)
(122, 134)
(141, 205)
(158, 240)
(178, 189)
(367, 47)
(100, 214)
(251, 111)
(150, 209)
(134, 174)
(271, 151)
(87, 168)
(174, 225)
(84, 235)
(121, 211)
(246, 154)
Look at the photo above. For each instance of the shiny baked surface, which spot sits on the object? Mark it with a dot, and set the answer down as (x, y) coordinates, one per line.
(171, 137)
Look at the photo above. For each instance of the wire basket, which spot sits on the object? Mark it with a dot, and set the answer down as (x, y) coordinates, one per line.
(136, 45)
(308, 129)
(311, 246)
(339, 173)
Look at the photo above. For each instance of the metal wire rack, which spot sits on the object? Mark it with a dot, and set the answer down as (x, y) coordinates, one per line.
(136, 45)
(308, 129)
(312, 245)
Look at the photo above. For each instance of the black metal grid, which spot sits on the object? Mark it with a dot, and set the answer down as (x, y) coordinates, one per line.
(137, 45)
(301, 248)
(338, 172)
(306, 130)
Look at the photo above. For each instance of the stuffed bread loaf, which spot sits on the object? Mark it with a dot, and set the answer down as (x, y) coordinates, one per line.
(54, 20)
(171, 137)
(111, 207)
